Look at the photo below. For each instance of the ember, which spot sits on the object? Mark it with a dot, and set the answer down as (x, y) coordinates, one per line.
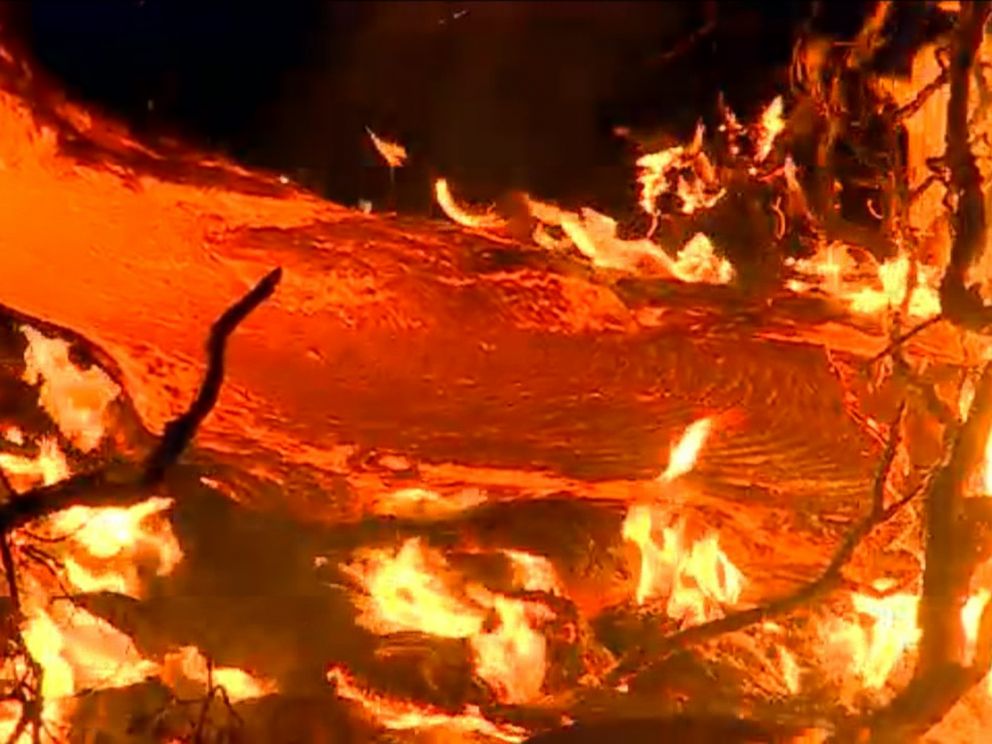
(540, 475)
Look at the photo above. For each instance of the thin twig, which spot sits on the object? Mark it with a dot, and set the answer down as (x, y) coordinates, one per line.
(899, 340)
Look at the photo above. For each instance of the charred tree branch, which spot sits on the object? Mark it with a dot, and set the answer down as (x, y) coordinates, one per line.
(114, 488)
(941, 676)
(963, 305)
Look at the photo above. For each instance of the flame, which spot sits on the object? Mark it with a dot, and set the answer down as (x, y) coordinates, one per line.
(872, 652)
(393, 153)
(422, 503)
(835, 271)
(189, 664)
(48, 467)
(534, 573)
(75, 649)
(512, 657)
(697, 577)
(770, 127)
(76, 399)
(446, 201)
(658, 170)
(81, 651)
(402, 715)
(412, 589)
(408, 591)
(683, 455)
(121, 533)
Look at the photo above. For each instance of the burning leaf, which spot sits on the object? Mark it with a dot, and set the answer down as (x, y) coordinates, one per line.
(393, 153)
(76, 399)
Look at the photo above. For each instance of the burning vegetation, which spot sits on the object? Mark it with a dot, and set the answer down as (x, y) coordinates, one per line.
(537, 476)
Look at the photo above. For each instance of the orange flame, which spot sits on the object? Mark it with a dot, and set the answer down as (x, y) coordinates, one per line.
(48, 467)
(446, 201)
(402, 715)
(683, 455)
(393, 153)
(411, 589)
(696, 577)
(189, 665)
(770, 127)
(76, 399)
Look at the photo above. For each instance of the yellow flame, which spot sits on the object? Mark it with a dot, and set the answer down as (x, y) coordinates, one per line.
(403, 715)
(48, 467)
(455, 213)
(771, 126)
(77, 400)
(697, 578)
(872, 652)
(188, 664)
(682, 458)
(413, 589)
(119, 533)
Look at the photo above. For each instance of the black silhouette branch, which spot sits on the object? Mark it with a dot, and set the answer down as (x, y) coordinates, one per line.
(111, 487)
(963, 305)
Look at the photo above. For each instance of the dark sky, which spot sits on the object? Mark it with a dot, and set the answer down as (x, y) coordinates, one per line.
(496, 95)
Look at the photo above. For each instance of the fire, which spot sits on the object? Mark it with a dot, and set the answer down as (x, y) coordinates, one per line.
(893, 631)
(76, 399)
(401, 715)
(695, 576)
(771, 126)
(89, 549)
(535, 573)
(422, 503)
(683, 455)
(407, 591)
(393, 153)
(48, 467)
(414, 589)
(188, 665)
(836, 271)
(121, 533)
(486, 221)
